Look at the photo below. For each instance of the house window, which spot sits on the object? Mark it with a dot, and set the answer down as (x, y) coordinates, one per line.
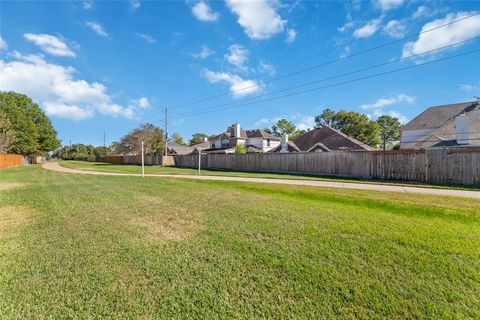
(225, 143)
(268, 142)
(213, 145)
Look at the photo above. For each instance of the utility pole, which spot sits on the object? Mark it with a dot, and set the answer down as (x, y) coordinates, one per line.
(166, 131)
(104, 144)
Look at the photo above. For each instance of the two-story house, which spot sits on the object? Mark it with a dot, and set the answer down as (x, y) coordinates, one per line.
(256, 140)
(450, 125)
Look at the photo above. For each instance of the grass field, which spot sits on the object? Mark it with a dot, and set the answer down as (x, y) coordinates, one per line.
(83, 246)
(108, 167)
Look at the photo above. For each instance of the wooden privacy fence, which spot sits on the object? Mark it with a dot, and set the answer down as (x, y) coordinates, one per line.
(442, 166)
(11, 160)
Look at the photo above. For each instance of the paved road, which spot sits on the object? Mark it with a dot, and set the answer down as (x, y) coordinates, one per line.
(54, 166)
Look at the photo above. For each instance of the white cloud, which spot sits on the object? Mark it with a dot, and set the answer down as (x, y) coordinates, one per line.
(348, 25)
(204, 53)
(303, 122)
(470, 87)
(97, 28)
(134, 4)
(447, 35)
(291, 35)
(395, 29)
(237, 56)
(399, 116)
(238, 86)
(367, 30)
(56, 88)
(425, 12)
(265, 67)
(3, 44)
(378, 106)
(67, 111)
(50, 44)
(147, 37)
(143, 102)
(420, 12)
(385, 102)
(259, 18)
(390, 4)
(203, 12)
(87, 4)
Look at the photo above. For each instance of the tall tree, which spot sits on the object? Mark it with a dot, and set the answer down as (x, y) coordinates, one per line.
(283, 126)
(389, 129)
(197, 138)
(7, 134)
(131, 143)
(177, 138)
(326, 118)
(33, 130)
(353, 124)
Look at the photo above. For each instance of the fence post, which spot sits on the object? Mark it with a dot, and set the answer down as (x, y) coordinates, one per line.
(426, 166)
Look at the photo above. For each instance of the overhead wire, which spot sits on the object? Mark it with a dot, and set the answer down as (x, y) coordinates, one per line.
(327, 62)
(194, 113)
(338, 76)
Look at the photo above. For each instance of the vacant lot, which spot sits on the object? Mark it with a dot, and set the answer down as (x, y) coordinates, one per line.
(78, 246)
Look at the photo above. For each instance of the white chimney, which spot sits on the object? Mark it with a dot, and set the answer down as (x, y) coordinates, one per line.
(236, 130)
(205, 139)
(284, 143)
(462, 129)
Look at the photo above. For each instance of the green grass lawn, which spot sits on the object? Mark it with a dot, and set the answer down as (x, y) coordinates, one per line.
(108, 167)
(83, 246)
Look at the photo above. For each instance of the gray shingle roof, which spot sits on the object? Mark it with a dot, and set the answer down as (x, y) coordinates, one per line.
(330, 138)
(438, 116)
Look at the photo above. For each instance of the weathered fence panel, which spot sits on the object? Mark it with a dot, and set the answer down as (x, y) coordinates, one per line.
(441, 166)
(11, 160)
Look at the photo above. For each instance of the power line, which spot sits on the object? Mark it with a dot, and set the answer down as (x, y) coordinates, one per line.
(339, 83)
(328, 62)
(339, 76)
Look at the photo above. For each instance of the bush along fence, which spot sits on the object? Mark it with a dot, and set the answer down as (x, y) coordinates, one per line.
(438, 166)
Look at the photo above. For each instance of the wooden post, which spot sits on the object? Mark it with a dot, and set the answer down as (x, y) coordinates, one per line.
(143, 163)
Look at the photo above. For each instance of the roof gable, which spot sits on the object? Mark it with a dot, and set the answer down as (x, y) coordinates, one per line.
(328, 138)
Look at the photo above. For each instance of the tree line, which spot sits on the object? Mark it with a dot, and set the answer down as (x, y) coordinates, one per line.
(25, 129)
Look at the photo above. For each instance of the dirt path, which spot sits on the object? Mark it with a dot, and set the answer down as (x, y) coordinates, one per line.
(54, 166)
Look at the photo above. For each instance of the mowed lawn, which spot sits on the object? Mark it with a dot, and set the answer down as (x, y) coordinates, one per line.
(82, 246)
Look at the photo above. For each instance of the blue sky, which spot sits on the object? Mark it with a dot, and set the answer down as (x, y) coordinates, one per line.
(111, 65)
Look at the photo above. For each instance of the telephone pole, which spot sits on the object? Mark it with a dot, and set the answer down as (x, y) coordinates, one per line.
(104, 144)
(166, 131)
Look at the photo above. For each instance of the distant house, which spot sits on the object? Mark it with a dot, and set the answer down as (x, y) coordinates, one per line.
(174, 148)
(450, 125)
(322, 139)
(256, 140)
